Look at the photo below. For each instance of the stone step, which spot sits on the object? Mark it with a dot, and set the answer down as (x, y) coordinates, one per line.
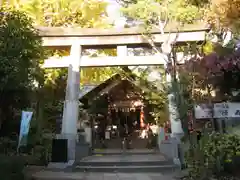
(46, 175)
(126, 169)
(125, 160)
(125, 163)
(136, 143)
(126, 152)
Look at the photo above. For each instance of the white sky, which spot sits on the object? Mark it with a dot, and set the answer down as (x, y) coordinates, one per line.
(114, 13)
(113, 8)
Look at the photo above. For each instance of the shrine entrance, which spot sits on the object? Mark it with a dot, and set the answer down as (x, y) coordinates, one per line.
(76, 40)
(122, 124)
(120, 113)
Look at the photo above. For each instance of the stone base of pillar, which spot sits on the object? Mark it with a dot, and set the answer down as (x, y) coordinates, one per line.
(78, 148)
(179, 159)
(72, 140)
(83, 148)
(177, 136)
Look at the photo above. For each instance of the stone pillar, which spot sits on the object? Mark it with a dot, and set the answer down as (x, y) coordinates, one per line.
(71, 104)
(176, 125)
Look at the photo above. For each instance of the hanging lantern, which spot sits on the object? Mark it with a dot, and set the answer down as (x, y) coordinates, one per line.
(142, 118)
(109, 109)
(166, 127)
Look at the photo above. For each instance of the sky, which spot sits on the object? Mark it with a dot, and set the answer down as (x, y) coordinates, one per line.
(114, 13)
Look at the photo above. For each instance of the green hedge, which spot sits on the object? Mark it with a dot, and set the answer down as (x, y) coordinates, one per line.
(11, 168)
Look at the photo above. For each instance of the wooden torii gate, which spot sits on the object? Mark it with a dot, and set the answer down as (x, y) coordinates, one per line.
(78, 39)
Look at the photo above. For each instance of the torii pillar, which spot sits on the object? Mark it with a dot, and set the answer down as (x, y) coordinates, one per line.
(176, 124)
(71, 104)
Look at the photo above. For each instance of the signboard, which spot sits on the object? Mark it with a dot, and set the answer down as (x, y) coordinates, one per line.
(107, 135)
(227, 110)
(220, 110)
(24, 128)
(202, 111)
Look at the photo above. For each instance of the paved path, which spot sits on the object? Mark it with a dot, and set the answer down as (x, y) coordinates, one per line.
(47, 175)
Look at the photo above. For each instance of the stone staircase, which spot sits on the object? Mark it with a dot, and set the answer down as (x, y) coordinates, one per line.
(115, 163)
(129, 161)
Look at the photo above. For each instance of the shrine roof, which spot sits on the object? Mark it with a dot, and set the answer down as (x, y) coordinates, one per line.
(94, 91)
(78, 32)
(86, 89)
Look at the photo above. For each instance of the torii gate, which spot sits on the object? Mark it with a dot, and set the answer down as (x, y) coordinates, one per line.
(78, 39)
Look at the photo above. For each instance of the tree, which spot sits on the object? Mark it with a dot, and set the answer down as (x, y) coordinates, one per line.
(224, 14)
(158, 14)
(71, 13)
(67, 13)
(64, 13)
(154, 12)
(154, 92)
(220, 69)
(20, 54)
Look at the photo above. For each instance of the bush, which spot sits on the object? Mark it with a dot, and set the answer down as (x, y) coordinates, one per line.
(214, 155)
(11, 168)
(8, 145)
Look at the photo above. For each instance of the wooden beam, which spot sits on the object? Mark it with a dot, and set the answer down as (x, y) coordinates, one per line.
(89, 41)
(61, 62)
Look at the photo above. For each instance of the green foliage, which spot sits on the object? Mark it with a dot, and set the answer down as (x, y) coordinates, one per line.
(71, 13)
(153, 11)
(182, 90)
(11, 167)
(144, 10)
(62, 13)
(20, 55)
(96, 75)
(20, 52)
(8, 145)
(158, 104)
(208, 48)
(198, 3)
(234, 130)
(184, 12)
(37, 151)
(224, 14)
(39, 144)
(154, 92)
(212, 154)
(66, 13)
